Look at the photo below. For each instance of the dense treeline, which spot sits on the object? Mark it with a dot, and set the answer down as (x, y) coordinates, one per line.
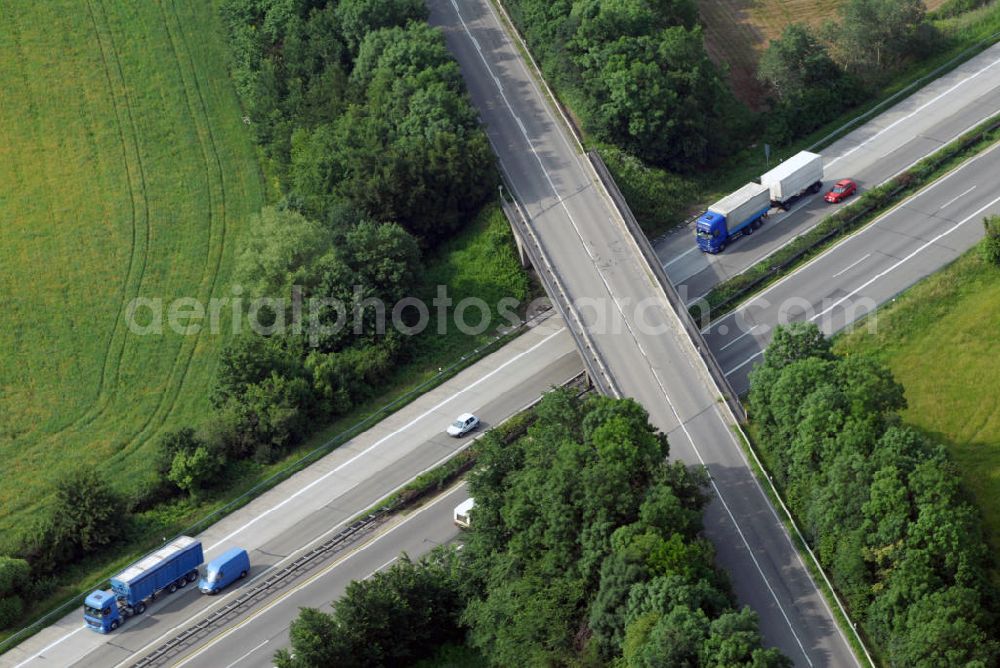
(647, 84)
(817, 75)
(364, 120)
(880, 503)
(358, 103)
(586, 546)
(637, 74)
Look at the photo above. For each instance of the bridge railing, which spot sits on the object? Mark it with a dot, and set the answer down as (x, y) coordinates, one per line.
(649, 255)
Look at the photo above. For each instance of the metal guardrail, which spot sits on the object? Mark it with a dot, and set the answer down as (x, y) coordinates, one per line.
(245, 601)
(846, 225)
(592, 358)
(314, 557)
(678, 305)
(916, 83)
(280, 476)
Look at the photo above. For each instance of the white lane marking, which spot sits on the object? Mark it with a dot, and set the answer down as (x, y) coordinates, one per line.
(321, 537)
(952, 201)
(339, 468)
(214, 640)
(746, 333)
(856, 235)
(638, 344)
(382, 440)
(685, 253)
(745, 362)
(248, 654)
(877, 277)
(380, 568)
(851, 266)
(913, 113)
(50, 646)
(893, 267)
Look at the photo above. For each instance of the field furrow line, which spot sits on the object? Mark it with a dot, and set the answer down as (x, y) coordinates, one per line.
(214, 179)
(139, 221)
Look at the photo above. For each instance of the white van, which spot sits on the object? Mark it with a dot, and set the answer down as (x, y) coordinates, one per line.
(463, 512)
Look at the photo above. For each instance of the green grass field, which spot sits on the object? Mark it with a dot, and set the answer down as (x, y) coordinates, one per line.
(941, 341)
(126, 171)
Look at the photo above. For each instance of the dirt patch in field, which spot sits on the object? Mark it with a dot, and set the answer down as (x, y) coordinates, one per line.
(738, 31)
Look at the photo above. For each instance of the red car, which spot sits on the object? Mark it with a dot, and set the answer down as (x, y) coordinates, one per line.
(841, 190)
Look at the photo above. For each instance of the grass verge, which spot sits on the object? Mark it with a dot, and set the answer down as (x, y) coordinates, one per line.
(728, 294)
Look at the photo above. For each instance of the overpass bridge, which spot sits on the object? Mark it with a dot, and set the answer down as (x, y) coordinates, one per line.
(601, 271)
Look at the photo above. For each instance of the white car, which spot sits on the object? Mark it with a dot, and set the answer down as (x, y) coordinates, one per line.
(465, 423)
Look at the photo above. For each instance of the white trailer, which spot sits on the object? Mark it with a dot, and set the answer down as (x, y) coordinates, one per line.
(463, 513)
(801, 173)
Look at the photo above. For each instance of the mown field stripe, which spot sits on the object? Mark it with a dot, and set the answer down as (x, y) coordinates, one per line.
(208, 283)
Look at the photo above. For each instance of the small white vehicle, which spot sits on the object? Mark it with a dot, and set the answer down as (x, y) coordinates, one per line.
(463, 512)
(465, 423)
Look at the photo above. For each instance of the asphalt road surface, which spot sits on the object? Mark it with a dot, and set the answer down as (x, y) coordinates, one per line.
(252, 641)
(635, 331)
(281, 523)
(912, 241)
(847, 282)
(317, 500)
(915, 127)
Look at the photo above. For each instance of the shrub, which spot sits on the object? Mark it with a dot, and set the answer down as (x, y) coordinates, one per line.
(989, 247)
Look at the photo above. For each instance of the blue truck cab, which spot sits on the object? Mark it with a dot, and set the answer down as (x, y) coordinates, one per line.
(711, 232)
(232, 565)
(733, 216)
(100, 611)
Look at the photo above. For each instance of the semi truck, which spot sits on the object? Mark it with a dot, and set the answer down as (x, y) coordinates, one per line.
(169, 568)
(737, 214)
(801, 173)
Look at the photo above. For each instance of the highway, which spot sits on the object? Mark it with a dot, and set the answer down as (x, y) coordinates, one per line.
(842, 285)
(635, 331)
(280, 524)
(252, 641)
(931, 117)
(913, 240)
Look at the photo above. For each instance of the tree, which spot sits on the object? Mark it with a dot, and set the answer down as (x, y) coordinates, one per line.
(384, 258)
(85, 516)
(607, 612)
(284, 249)
(14, 582)
(810, 87)
(396, 617)
(573, 520)
(883, 505)
(250, 359)
(314, 640)
(185, 439)
(797, 341)
(795, 62)
(358, 18)
(659, 97)
(875, 34)
(989, 247)
(193, 470)
(734, 640)
(409, 150)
